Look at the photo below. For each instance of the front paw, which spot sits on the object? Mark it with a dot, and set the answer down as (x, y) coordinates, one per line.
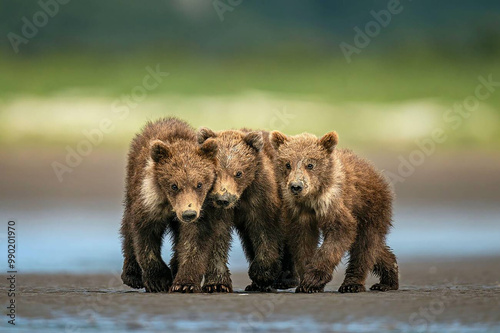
(132, 274)
(132, 280)
(262, 289)
(352, 288)
(158, 284)
(157, 281)
(211, 288)
(185, 287)
(314, 282)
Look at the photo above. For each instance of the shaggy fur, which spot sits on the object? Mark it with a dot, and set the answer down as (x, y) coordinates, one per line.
(341, 196)
(168, 178)
(246, 185)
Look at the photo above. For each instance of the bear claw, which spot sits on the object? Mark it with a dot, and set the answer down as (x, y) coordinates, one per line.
(217, 288)
(352, 288)
(184, 288)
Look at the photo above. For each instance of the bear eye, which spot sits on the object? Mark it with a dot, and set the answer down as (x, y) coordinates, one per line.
(174, 187)
(310, 166)
(199, 185)
(288, 166)
(239, 174)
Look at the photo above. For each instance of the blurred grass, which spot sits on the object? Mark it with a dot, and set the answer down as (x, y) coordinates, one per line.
(372, 79)
(50, 99)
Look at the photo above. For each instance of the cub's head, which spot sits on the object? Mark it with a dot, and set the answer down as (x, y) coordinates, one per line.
(304, 163)
(182, 173)
(238, 160)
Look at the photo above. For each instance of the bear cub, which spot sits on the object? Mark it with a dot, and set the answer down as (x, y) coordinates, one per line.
(337, 194)
(168, 178)
(246, 184)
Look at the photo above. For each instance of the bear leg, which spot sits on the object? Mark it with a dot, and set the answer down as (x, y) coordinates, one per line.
(156, 275)
(218, 277)
(288, 277)
(362, 257)
(386, 268)
(132, 273)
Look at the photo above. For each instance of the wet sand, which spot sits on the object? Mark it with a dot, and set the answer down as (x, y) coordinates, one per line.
(435, 296)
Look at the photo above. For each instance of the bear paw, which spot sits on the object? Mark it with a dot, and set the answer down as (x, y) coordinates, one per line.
(263, 274)
(185, 288)
(310, 289)
(157, 285)
(352, 288)
(314, 281)
(382, 287)
(256, 288)
(217, 288)
(132, 280)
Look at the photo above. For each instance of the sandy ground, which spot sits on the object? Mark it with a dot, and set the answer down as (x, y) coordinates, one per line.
(435, 296)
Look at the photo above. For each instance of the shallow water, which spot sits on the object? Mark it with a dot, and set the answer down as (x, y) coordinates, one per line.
(303, 324)
(85, 239)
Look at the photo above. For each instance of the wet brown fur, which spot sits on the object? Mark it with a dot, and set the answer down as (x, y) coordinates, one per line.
(246, 180)
(168, 176)
(344, 199)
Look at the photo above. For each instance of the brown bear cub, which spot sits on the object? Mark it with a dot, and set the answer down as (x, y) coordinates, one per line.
(336, 193)
(246, 184)
(168, 177)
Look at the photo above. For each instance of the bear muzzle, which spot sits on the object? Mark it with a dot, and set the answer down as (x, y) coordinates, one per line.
(296, 187)
(189, 215)
(225, 200)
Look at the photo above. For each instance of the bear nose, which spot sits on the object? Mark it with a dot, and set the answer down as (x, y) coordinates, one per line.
(189, 215)
(296, 187)
(225, 200)
(222, 203)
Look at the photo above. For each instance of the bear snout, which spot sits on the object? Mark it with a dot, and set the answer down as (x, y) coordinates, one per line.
(225, 200)
(189, 215)
(296, 187)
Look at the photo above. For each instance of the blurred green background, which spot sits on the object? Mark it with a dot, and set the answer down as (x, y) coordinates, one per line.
(272, 65)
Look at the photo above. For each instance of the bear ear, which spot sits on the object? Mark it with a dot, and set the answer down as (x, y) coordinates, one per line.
(254, 140)
(209, 148)
(159, 151)
(204, 133)
(277, 139)
(329, 141)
